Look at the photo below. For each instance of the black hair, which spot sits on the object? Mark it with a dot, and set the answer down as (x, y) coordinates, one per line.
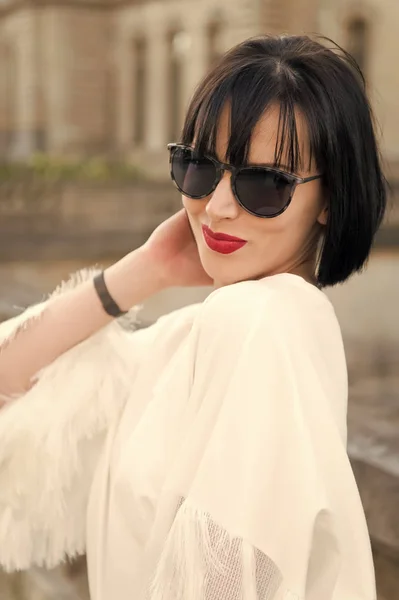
(327, 86)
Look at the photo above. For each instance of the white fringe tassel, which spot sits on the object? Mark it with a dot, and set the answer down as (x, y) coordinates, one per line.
(50, 441)
(202, 561)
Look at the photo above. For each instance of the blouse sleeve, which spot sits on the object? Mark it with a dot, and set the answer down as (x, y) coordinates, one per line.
(260, 467)
(51, 438)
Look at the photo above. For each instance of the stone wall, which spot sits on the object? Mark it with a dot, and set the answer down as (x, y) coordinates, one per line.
(80, 221)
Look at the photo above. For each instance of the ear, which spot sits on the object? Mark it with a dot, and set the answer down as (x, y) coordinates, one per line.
(323, 215)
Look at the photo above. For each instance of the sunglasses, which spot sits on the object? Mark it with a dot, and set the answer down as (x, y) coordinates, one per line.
(261, 190)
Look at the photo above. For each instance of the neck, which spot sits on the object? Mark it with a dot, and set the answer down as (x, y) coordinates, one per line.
(307, 271)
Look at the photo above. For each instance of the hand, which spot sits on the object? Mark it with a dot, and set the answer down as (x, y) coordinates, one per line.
(173, 248)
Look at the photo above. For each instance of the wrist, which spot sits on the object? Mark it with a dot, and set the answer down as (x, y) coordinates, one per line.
(133, 279)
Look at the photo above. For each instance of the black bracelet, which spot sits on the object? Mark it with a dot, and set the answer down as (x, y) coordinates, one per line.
(109, 304)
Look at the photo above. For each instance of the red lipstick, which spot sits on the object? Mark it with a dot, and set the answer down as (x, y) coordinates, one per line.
(222, 242)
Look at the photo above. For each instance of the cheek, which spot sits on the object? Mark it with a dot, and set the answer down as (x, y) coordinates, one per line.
(194, 207)
(293, 224)
(305, 206)
(287, 221)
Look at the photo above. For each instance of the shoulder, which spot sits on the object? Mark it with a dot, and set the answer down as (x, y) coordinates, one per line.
(235, 316)
(285, 315)
(274, 300)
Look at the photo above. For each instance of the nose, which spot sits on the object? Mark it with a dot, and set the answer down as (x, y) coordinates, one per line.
(222, 203)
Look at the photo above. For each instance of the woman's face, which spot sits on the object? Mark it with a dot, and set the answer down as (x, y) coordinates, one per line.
(283, 244)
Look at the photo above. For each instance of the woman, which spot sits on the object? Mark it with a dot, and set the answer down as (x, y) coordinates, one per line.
(204, 458)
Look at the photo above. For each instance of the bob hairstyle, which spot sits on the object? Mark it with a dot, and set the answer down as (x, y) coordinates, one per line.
(328, 88)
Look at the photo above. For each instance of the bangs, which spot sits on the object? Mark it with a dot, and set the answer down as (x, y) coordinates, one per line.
(250, 92)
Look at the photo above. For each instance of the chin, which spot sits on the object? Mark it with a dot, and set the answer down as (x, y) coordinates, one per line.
(224, 276)
(226, 269)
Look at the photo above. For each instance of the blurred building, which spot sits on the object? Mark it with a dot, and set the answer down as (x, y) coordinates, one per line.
(114, 76)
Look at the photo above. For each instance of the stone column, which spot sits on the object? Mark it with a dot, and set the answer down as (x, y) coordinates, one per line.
(7, 95)
(55, 48)
(156, 129)
(243, 22)
(77, 71)
(25, 134)
(304, 16)
(124, 61)
(195, 60)
(289, 16)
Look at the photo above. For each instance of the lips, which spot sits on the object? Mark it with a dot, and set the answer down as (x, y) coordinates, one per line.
(221, 236)
(222, 246)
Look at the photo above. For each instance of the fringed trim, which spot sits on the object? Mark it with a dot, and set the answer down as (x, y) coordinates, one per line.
(202, 561)
(51, 438)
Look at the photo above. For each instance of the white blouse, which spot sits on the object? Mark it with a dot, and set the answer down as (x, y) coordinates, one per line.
(201, 458)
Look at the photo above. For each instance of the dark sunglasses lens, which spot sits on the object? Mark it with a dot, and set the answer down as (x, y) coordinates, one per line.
(263, 192)
(195, 175)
